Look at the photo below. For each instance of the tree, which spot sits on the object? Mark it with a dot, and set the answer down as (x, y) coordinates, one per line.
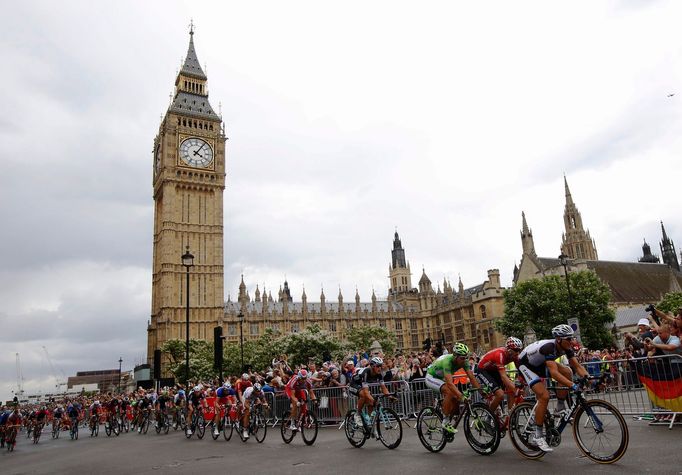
(200, 359)
(311, 344)
(361, 339)
(541, 304)
(671, 302)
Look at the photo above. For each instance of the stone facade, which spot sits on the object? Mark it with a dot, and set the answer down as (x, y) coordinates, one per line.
(413, 314)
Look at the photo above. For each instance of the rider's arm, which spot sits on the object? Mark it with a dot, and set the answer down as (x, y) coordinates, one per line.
(505, 379)
(554, 372)
(578, 368)
(472, 379)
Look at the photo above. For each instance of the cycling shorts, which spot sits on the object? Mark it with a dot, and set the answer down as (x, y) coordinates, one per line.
(491, 379)
(300, 393)
(530, 374)
(434, 383)
(223, 400)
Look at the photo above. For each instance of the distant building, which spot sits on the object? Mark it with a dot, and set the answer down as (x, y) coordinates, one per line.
(105, 379)
(630, 283)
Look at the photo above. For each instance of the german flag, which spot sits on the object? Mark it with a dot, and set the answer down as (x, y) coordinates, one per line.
(663, 382)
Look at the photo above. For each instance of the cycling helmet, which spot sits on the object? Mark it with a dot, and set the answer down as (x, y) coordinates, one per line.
(198, 388)
(513, 343)
(376, 361)
(227, 385)
(562, 331)
(303, 374)
(460, 349)
(96, 402)
(257, 387)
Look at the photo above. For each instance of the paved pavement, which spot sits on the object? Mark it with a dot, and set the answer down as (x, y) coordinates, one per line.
(651, 449)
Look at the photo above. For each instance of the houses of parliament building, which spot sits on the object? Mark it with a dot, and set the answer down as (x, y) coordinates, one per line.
(189, 163)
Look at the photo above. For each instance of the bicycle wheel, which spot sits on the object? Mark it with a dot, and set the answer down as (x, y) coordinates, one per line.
(55, 431)
(355, 434)
(481, 429)
(107, 428)
(145, 424)
(600, 431)
(95, 428)
(227, 428)
(259, 428)
(201, 426)
(521, 430)
(287, 434)
(430, 429)
(389, 428)
(166, 424)
(157, 426)
(240, 430)
(309, 428)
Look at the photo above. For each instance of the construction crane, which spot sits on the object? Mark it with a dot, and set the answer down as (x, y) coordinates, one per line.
(20, 380)
(59, 383)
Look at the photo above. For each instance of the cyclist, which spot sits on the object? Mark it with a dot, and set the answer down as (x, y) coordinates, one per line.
(240, 388)
(4, 415)
(359, 385)
(491, 370)
(439, 378)
(144, 403)
(13, 425)
(72, 410)
(95, 409)
(179, 400)
(253, 394)
(195, 398)
(57, 416)
(40, 417)
(536, 361)
(125, 403)
(112, 409)
(161, 405)
(223, 394)
(295, 390)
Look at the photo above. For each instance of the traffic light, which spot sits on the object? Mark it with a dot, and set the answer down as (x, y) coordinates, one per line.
(218, 350)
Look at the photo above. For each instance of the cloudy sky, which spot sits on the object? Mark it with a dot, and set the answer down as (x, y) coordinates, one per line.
(345, 121)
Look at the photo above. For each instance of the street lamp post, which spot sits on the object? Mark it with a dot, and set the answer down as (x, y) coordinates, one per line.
(187, 261)
(120, 361)
(241, 337)
(563, 258)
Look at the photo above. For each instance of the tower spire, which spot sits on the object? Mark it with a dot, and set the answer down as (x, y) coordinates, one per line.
(576, 242)
(668, 253)
(569, 198)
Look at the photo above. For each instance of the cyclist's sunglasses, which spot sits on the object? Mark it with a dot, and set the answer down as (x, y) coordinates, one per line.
(568, 338)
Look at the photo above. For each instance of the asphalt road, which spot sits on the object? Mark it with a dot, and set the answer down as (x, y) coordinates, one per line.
(651, 449)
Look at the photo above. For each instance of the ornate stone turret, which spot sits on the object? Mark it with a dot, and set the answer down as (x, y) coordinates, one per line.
(647, 256)
(576, 242)
(400, 276)
(668, 253)
(527, 237)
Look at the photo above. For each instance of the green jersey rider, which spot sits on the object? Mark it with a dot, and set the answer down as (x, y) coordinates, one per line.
(439, 378)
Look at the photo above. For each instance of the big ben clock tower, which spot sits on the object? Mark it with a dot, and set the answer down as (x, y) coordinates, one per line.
(189, 179)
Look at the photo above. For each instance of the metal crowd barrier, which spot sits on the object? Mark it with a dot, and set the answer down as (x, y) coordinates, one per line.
(616, 381)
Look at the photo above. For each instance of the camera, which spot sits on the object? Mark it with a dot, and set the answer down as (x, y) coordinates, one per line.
(652, 310)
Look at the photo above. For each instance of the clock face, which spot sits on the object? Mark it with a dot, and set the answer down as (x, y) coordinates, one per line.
(157, 160)
(196, 152)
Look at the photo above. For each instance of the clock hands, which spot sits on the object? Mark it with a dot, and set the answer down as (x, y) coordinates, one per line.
(196, 152)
